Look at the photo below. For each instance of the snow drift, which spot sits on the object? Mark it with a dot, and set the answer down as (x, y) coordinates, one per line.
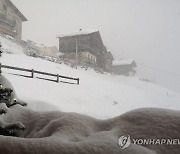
(72, 133)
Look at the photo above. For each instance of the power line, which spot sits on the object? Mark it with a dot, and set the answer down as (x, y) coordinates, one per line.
(155, 68)
(159, 69)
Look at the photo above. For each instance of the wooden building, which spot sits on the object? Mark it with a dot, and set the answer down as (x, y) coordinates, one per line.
(83, 44)
(11, 19)
(83, 57)
(124, 67)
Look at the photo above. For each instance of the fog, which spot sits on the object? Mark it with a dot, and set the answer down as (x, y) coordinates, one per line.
(147, 31)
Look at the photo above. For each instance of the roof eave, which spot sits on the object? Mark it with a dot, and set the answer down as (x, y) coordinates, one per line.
(23, 18)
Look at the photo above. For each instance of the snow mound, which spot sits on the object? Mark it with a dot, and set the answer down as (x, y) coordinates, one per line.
(72, 133)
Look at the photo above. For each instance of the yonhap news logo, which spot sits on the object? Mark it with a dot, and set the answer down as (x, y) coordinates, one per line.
(125, 141)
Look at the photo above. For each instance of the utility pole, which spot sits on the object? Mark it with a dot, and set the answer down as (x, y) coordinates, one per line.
(0, 56)
(77, 49)
(76, 53)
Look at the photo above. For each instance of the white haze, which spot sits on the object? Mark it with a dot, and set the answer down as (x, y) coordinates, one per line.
(145, 30)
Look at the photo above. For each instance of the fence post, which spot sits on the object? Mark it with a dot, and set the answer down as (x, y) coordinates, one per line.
(57, 77)
(77, 80)
(32, 73)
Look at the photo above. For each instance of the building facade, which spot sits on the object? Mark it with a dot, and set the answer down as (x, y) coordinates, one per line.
(108, 62)
(124, 67)
(11, 19)
(85, 43)
(84, 57)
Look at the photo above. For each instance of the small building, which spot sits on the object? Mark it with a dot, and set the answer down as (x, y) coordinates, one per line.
(124, 67)
(86, 46)
(11, 19)
(51, 51)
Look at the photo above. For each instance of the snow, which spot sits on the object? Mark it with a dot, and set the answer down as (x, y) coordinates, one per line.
(51, 51)
(98, 95)
(10, 46)
(123, 62)
(81, 32)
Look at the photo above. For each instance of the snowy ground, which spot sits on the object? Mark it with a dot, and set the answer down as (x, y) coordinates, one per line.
(98, 95)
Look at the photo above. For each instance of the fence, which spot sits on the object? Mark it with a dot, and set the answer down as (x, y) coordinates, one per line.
(32, 71)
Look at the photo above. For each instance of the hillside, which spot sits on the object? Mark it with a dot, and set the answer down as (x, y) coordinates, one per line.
(98, 95)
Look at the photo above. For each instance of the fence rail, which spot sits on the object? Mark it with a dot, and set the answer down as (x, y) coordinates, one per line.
(32, 71)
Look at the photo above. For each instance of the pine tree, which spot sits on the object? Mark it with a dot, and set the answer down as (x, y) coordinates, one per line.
(5, 93)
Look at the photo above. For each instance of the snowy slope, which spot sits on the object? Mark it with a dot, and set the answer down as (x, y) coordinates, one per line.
(98, 95)
(9, 45)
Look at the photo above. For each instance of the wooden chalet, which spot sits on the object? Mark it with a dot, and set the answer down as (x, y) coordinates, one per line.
(11, 19)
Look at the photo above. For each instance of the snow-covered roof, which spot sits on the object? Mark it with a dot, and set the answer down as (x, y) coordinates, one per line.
(81, 32)
(123, 62)
(23, 18)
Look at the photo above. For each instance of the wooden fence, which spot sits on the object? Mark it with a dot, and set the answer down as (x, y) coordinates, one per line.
(32, 71)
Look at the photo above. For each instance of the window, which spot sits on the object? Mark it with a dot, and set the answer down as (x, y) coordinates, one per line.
(88, 57)
(5, 7)
(82, 41)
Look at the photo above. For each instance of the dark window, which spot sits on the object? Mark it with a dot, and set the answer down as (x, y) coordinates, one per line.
(82, 41)
(5, 7)
(14, 21)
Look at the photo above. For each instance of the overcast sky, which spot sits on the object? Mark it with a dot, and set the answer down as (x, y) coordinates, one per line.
(145, 30)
